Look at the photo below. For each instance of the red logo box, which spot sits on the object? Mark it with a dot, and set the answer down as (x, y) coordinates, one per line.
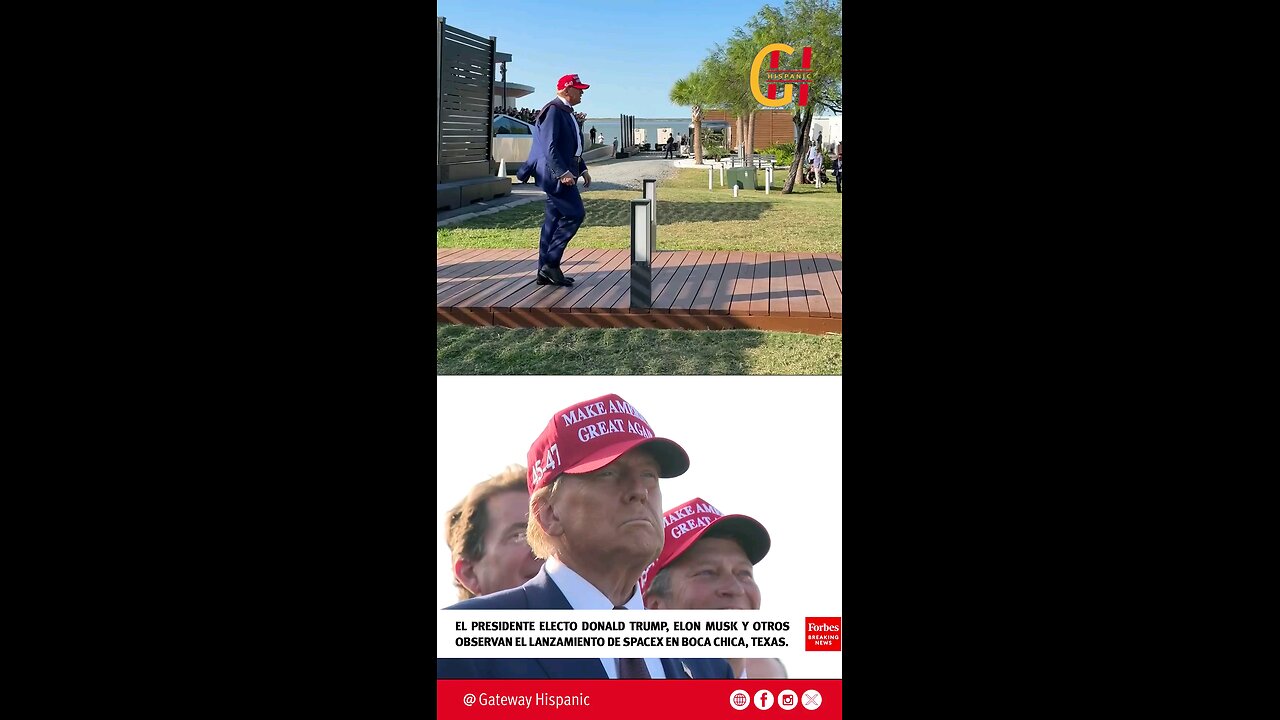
(822, 633)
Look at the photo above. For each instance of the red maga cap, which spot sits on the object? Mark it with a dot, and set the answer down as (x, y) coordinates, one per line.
(587, 436)
(571, 81)
(684, 524)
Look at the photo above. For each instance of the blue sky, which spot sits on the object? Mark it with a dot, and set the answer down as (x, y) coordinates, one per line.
(629, 59)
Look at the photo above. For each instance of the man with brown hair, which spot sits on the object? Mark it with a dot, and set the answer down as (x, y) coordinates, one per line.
(485, 532)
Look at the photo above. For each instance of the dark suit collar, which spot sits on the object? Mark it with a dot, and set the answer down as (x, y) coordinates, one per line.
(674, 669)
(543, 593)
(591, 668)
(553, 104)
(574, 669)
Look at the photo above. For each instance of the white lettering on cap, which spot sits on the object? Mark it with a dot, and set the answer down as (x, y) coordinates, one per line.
(689, 525)
(596, 409)
(584, 413)
(587, 433)
(625, 407)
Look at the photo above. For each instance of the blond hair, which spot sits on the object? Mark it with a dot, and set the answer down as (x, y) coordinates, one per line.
(537, 538)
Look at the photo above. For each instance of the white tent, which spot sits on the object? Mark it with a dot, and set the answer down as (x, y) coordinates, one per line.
(831, 127)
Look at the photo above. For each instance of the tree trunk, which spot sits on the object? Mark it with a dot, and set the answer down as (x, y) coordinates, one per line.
(697, 135)
(802, 122)
(742, 141)
(751, 133)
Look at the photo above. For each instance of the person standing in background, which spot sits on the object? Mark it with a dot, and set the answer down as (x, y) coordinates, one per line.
(485, 532)
(839, 167)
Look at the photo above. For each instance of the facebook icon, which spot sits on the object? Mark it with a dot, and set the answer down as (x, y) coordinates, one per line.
(764, 699)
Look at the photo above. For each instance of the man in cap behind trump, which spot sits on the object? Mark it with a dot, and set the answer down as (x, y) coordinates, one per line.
(595, 514)
(708, 563)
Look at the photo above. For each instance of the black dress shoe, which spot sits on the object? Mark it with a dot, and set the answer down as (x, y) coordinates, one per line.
(545, 277)
(562, 276)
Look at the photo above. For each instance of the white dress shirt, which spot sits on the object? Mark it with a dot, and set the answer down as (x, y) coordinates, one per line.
(570, 172)
(582, 595)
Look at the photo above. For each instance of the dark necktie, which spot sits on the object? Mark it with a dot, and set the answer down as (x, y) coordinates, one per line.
(632, 668)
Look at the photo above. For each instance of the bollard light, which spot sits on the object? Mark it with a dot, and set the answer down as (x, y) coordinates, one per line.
(708, 177)
(721, 174)
(641, 253)
(768, 179)
(651, 194)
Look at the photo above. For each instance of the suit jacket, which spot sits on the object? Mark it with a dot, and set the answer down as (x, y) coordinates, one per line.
(541, 593)
(555, 147)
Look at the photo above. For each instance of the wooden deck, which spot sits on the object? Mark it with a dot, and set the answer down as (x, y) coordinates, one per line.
(692, 290)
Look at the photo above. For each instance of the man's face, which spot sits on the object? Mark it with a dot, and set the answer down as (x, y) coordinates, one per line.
(508, 561)
(714, 574)
(613, 512)
(575, 95)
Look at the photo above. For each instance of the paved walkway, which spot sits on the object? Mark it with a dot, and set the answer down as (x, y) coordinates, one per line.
(612, 174)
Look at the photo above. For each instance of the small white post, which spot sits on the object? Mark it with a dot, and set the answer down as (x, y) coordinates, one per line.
(708, 177)
(721, 174)
(735, 189)
(768, 179)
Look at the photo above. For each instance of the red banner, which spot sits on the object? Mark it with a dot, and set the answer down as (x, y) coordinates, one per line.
(639, 699)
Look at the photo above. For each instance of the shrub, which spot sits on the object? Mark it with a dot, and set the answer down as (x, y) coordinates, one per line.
(783, 153)
(714, 151)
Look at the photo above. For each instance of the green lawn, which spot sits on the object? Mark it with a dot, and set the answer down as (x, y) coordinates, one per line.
(689, 218)
(466, 350)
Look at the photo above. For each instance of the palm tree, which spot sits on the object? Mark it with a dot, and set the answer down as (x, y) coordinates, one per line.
(727, 69)
(691, 90)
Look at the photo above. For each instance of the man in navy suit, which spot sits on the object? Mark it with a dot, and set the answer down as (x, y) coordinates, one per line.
(555, 161)
(595, 515)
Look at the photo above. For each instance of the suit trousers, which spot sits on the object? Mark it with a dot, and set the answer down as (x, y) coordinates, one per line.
(564, 215)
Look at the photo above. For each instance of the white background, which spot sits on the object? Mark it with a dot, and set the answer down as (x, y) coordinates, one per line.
(768, 447)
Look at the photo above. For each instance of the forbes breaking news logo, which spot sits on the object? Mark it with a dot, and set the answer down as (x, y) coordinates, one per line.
(822, 633)
(774, 76)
